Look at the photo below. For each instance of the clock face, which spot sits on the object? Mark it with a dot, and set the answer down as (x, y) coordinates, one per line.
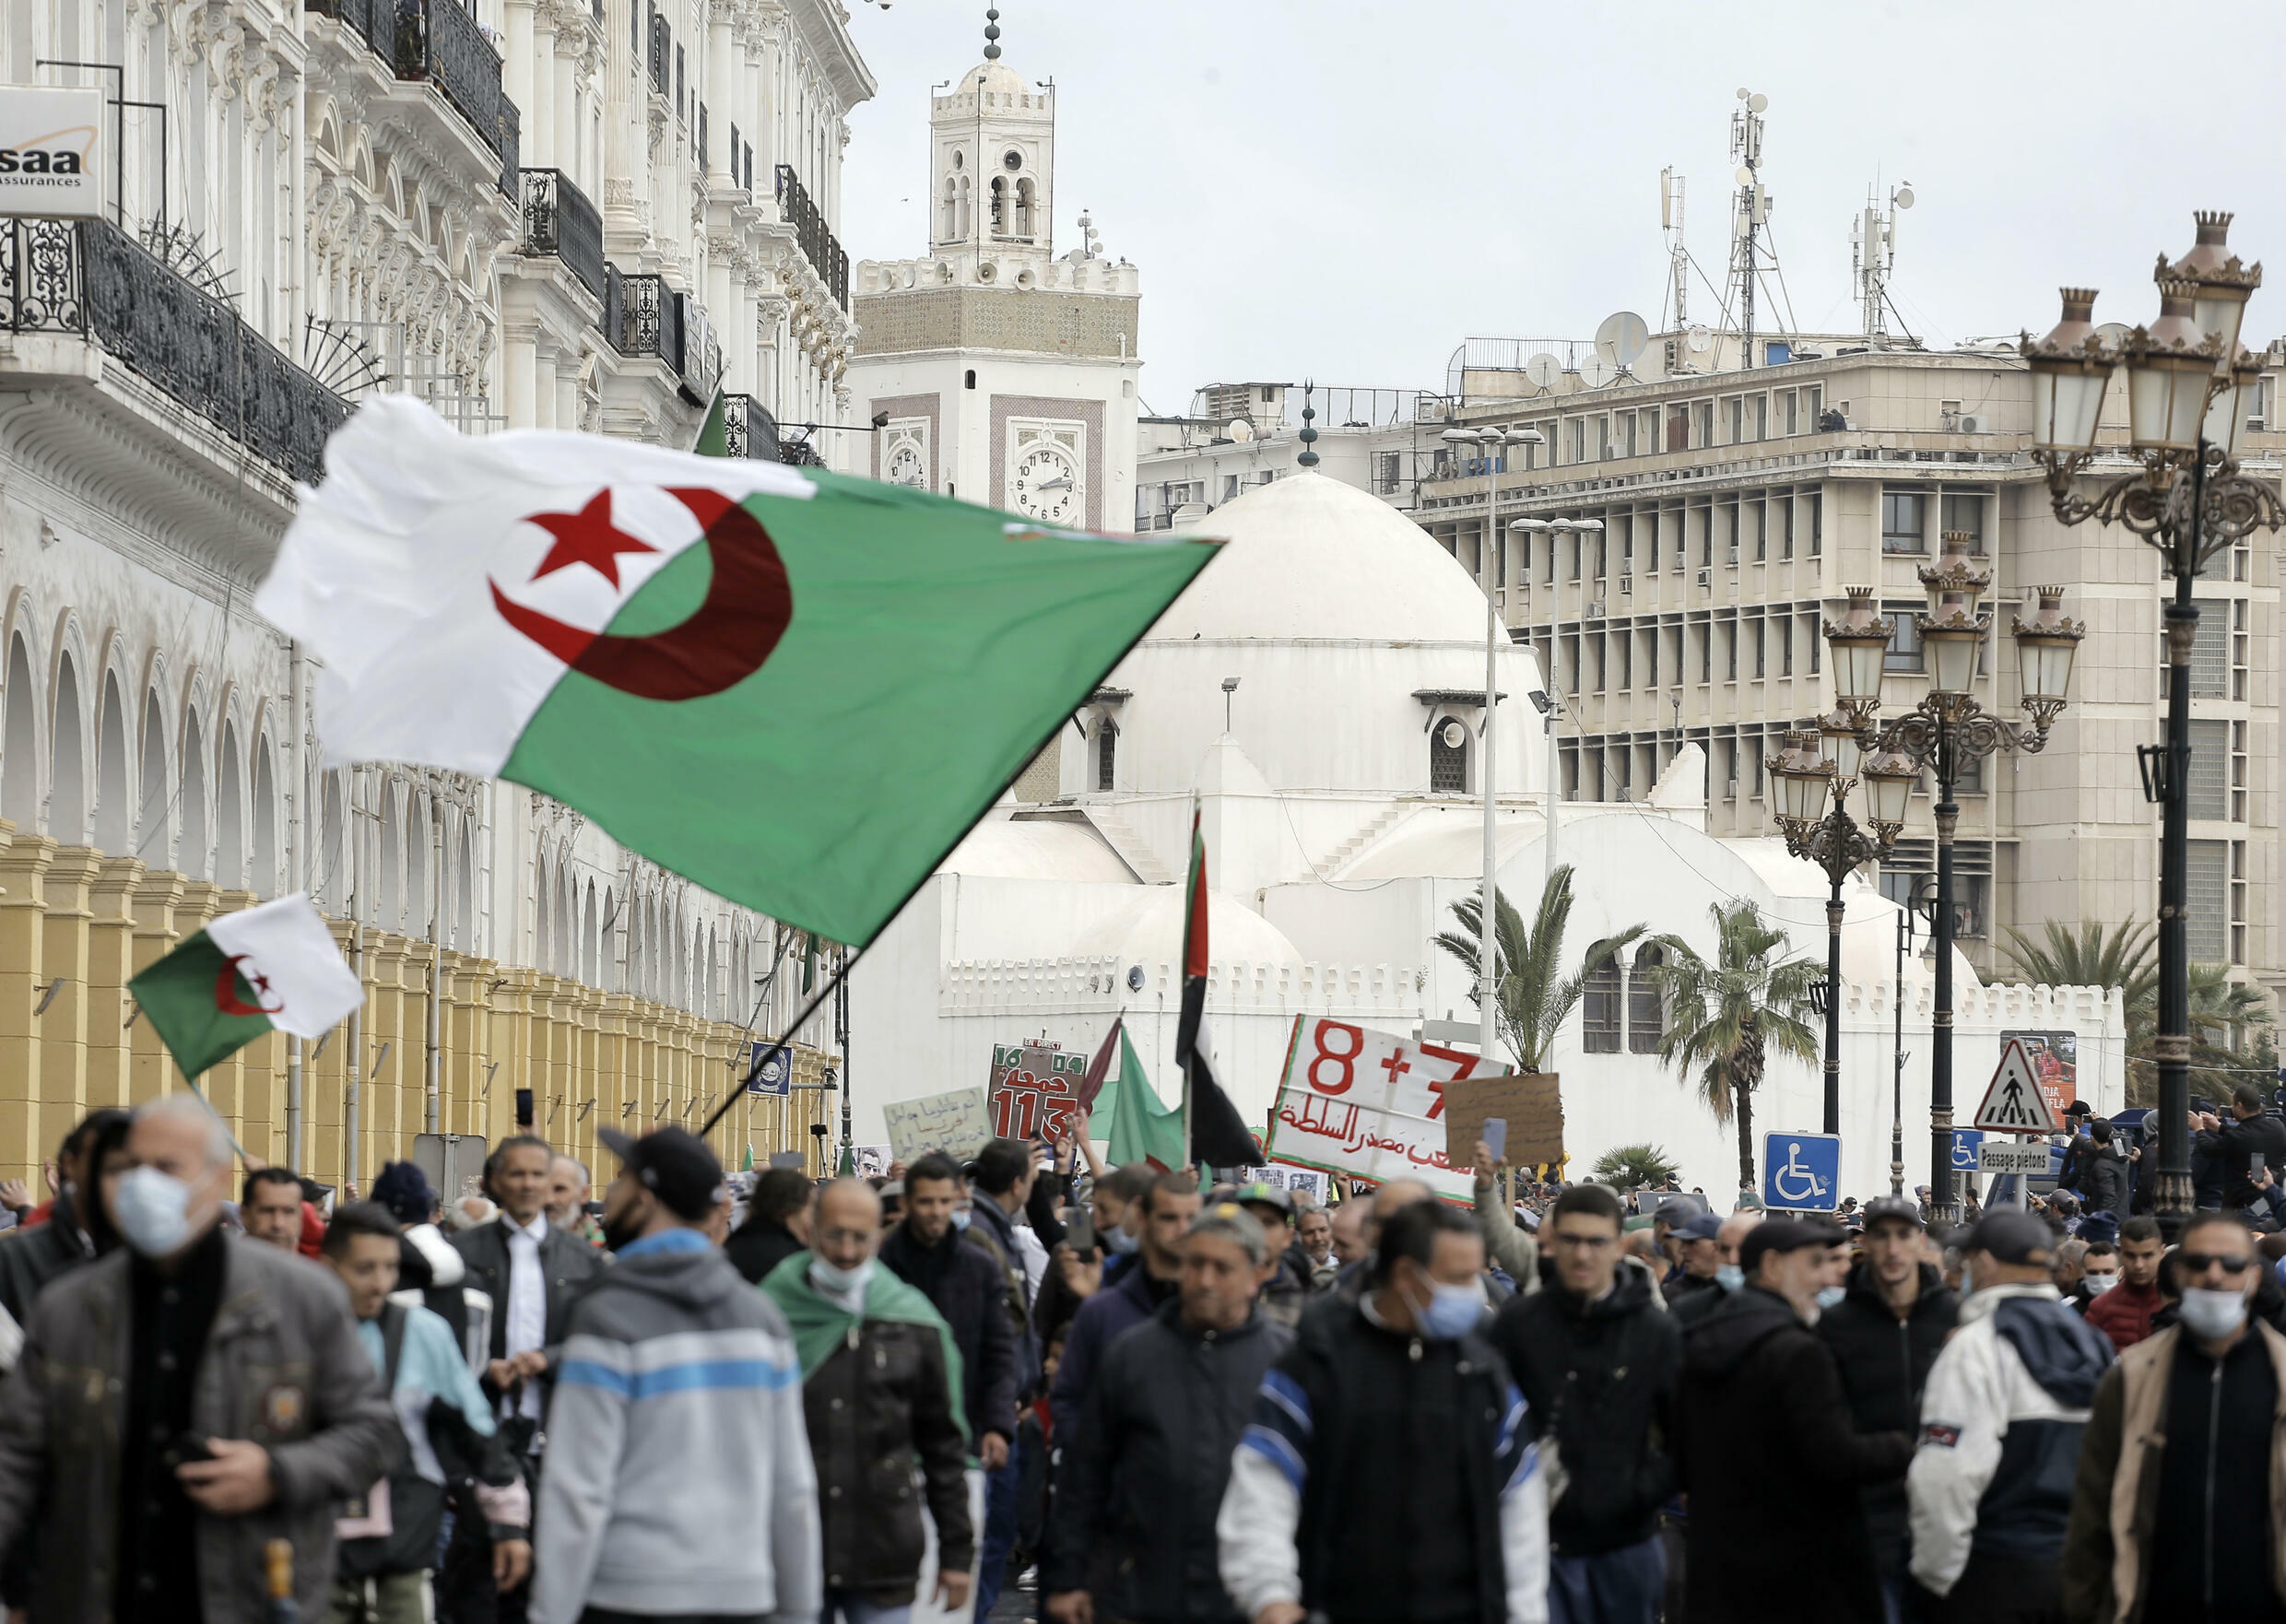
(1047, 484)
(906, 465)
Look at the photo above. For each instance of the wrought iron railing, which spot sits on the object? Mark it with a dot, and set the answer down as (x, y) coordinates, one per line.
(643, 316)
(440, 41)
(90, 278)
(559, 219)
(818, 245)
(748, 429)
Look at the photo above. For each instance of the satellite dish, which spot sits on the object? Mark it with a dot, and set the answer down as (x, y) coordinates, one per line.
(1744, 92)
(1543, 371)
(1745, 177)
(1758, 103)
(1621, 339)
(1701, 339)
(1240, 430)
(1453, 734)
(1902, 197)
(1597, 373)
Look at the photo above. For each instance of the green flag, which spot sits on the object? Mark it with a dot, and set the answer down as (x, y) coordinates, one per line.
(1144, 1127)
(793, 688)
(275, 968)
(714, 433)
(748, 1165)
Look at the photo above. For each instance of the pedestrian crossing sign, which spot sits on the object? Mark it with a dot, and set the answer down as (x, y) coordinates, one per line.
(2013, 1102)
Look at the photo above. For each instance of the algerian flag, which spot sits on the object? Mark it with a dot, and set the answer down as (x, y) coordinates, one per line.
(1143, 1129)
(272, 968)
(796, 688)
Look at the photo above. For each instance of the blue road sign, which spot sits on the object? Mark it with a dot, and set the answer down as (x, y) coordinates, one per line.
(1965, 1144)
(777, 1077)
(1801, 1173)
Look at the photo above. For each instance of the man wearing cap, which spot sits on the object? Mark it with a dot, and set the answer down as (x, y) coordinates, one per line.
(1886, 1334)
(1288, 1289)
(1699, 1242)
(1729, 1236)
(2008, 1399)
(2076, 1145)
(678, 1398)
(1770, 1456)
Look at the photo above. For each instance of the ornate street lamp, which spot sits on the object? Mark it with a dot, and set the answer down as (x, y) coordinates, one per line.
(2188, 388)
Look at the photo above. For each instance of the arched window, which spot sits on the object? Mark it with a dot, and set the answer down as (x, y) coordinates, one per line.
(1448, 758)
(967, 211)
(113, 832)
(416, 865)
(1106, 753)
(610, 946)
(68, 769)
(1023, 226)
(999, 205)
(1647, 1011)
(949, 231)
(543, 916)
(152, 824)
(264, 877)
(464, 895)
(19, 745)
(391, 914)
(332, 861)
(1600, 996)
(229, 813)
(197, 856)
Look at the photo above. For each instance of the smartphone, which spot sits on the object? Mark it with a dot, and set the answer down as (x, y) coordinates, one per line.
(1496, 1137)
(187, 1446)
(2253, 1162)
(1080, 1231)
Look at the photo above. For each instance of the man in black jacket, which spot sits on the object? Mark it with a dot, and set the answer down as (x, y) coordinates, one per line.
(1598, 1362)
(1885, 1334)
(776, 1227)
(1770, 1456)
(964, 1286)
(1145, 1471)
(2252, 1132)
(1699, 1241)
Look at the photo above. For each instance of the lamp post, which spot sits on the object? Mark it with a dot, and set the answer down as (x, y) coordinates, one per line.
(1945, 730)
(2188, 384)
(1493, 442)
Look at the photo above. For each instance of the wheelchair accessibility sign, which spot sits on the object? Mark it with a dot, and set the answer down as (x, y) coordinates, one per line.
(1801, 1173)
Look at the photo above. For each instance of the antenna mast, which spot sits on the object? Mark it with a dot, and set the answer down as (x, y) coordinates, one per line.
(1677, 257)
(1751, 212)
(1873, 256)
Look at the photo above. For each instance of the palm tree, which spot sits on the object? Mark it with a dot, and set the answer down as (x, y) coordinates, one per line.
(1724, 1018)
(1534, 997)
(1636, 1167)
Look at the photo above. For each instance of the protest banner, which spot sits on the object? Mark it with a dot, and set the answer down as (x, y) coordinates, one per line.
(1294, 1180)
(1034, 1087)
(1369, 1105)
(955, 1123)
(1527, 1102)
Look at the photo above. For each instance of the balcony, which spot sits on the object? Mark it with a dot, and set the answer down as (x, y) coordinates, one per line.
(437, 42)
(90, 279)
(818, 245)
(559, 220)
(643, 316)
(750, 432)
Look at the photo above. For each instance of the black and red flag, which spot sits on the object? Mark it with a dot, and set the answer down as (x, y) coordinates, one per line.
(1217, 1134)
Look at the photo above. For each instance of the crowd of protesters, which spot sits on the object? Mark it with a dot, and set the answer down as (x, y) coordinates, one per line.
(1026, 1384)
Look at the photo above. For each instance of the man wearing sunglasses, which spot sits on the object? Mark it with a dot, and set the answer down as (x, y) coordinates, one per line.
(2204, 1402)
(1990, 1489)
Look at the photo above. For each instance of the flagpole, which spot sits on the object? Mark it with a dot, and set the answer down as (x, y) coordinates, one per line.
(817, 1003)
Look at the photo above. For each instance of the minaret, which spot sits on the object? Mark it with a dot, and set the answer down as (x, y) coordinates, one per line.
(992, 156)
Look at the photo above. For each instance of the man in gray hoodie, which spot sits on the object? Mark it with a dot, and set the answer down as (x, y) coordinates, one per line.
(679, 1483)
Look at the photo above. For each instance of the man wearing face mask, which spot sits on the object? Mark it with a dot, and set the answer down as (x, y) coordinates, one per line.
(1389, 1472)
(2098, 1272)
(677, 1400)
(1886, 1334)
(1075, 1274)
(1767, 1445)
(1991, 1484)
(2195, 1406)
(1699, 1242)
(184, 1399)
(878, 1395)
(1695, 1306)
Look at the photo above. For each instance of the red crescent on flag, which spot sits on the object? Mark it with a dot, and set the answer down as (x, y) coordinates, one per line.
(748, 603)
(226, 991)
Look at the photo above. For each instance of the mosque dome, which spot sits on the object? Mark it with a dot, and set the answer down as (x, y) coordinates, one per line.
(1150, 933)
(993, 79)
(1308, 558)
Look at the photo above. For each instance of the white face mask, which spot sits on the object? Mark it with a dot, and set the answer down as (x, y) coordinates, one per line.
(2212, 1315)
(154, 1211)
(840, 1282)
(2098, 1284)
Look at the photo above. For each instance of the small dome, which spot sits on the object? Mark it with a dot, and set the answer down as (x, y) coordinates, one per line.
(1151, 934)
(1002, 848)
(996, 78)
(1308, 557)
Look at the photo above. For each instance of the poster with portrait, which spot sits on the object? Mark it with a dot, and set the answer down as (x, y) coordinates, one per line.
(2055, 1058)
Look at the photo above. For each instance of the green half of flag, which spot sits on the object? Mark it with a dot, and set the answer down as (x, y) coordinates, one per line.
(199, 1003)
(714, 433)
(1143, 1129)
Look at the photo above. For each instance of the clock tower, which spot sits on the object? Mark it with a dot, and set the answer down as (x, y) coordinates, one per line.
(1009, 373)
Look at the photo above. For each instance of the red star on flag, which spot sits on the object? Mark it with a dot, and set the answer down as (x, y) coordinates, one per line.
(587, 537)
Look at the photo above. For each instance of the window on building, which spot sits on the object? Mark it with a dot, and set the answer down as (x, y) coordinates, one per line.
(1679, 427)
(1500, 563)
(1814, 404)
(1757, 517)
(1811, 635)
(1448, 758)
(1761, 417)
(1627, 544)
(1904, 522)
(1388, 472)
(1964, 511)
(2208, 787)
(2210, 655)
(1705, 518)
(1816, 505)
(2207, 927)
(1647, 1011)
(1627, 434)
(1785, 501)
(1651, 658)
(1903, 653)
(1706, 651)
(1602, 994)
(1623, 644)
(1730, 651)
(1789, 410)
(1786, 646)
(1705, 427)
(1760, 649)
(1106, 753)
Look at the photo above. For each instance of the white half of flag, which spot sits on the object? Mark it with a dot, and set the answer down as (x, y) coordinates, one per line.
(288, 956)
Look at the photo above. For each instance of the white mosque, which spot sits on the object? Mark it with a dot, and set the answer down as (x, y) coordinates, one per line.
(1319, 692)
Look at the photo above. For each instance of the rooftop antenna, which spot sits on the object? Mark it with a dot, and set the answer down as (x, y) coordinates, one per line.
(1873, 257)
(1308, 458)
(1751, 212)
(1677, 257)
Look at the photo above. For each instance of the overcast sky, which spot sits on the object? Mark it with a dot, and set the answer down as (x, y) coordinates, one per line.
(1343, 191)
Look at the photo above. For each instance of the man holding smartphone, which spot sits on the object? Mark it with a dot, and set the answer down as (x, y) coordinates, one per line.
(2252, 1132)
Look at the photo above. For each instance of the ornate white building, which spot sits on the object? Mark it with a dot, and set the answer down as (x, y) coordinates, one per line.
(1005, 375)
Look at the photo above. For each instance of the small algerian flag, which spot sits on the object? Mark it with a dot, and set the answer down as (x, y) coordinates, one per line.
(1141, 1126)
(797, 688)
(272, 968)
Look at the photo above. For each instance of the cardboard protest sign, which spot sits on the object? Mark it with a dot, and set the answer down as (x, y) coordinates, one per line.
(1035, 1087)
(955, 1123)
(1368, 1105)
(1527, 1100)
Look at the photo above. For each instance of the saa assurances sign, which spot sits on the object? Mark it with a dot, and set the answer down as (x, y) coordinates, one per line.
(51, 153)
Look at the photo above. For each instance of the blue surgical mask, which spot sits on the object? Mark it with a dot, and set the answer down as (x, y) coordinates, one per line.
(1452, 1311)
(960, 1217)
(1832, 1295)
(1729, 1277)
(153, 1209)
(1116, 1239)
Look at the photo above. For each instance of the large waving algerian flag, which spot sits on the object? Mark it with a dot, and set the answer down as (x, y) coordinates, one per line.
(796, 688)
(273, 967)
